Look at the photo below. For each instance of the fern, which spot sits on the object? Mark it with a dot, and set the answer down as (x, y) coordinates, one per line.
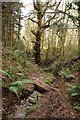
(22, 82)
(75, 95)
(18, 86)
(4, 72)
(77, 107)
(14, 89)
(74, 89)
(65, 73)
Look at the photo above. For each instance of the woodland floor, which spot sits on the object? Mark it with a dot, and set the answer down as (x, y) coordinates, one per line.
(55, 105)
(51, 104)
(0, 106)
(39, 103)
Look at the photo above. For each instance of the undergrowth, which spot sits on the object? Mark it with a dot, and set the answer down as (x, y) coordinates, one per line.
(15, 70)
(74, 94)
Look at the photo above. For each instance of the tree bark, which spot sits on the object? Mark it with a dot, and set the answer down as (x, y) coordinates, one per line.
(79, 37)
(79, 28)
(37, 48)
(38, 34)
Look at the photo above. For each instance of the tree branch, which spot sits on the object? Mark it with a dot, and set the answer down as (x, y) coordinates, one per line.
(48, 21)
(33, 21)
(45, 7)
(57, 21)
(59, 36)
(34, 33)
(69, 15)
(35, 6)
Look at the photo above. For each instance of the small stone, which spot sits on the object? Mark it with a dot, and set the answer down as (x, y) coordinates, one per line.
(28, 107)
(19, 74)
(24, 105)
(29, 104)
(32, 100)
(21, 115)
(22, 101)
(21, 106)
(35, 94)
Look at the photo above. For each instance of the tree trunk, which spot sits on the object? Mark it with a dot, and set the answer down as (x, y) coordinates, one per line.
(19, 26)
(37, 48)
(79, 36)
(79, 28)
(38, 35)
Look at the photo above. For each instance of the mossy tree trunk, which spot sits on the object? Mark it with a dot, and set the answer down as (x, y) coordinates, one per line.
(41, 10)
(79, 36)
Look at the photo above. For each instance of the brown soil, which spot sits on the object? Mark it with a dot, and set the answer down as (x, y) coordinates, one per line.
(52, 104)
(0, 106)
(9, 99)
(36, 73)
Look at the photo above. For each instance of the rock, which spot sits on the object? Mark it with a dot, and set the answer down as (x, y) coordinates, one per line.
(28, 107)
(19, 112)
(29, 104)
(32, 100)
(20, 115)
(36, 94)
(34, 97)
(22, 102)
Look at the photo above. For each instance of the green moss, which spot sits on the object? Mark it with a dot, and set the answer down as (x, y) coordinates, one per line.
(49, 79)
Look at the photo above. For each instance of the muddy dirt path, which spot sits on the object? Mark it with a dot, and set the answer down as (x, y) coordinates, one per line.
(52, 103)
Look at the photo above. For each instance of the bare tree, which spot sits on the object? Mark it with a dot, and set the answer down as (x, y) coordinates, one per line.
(41, 10)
